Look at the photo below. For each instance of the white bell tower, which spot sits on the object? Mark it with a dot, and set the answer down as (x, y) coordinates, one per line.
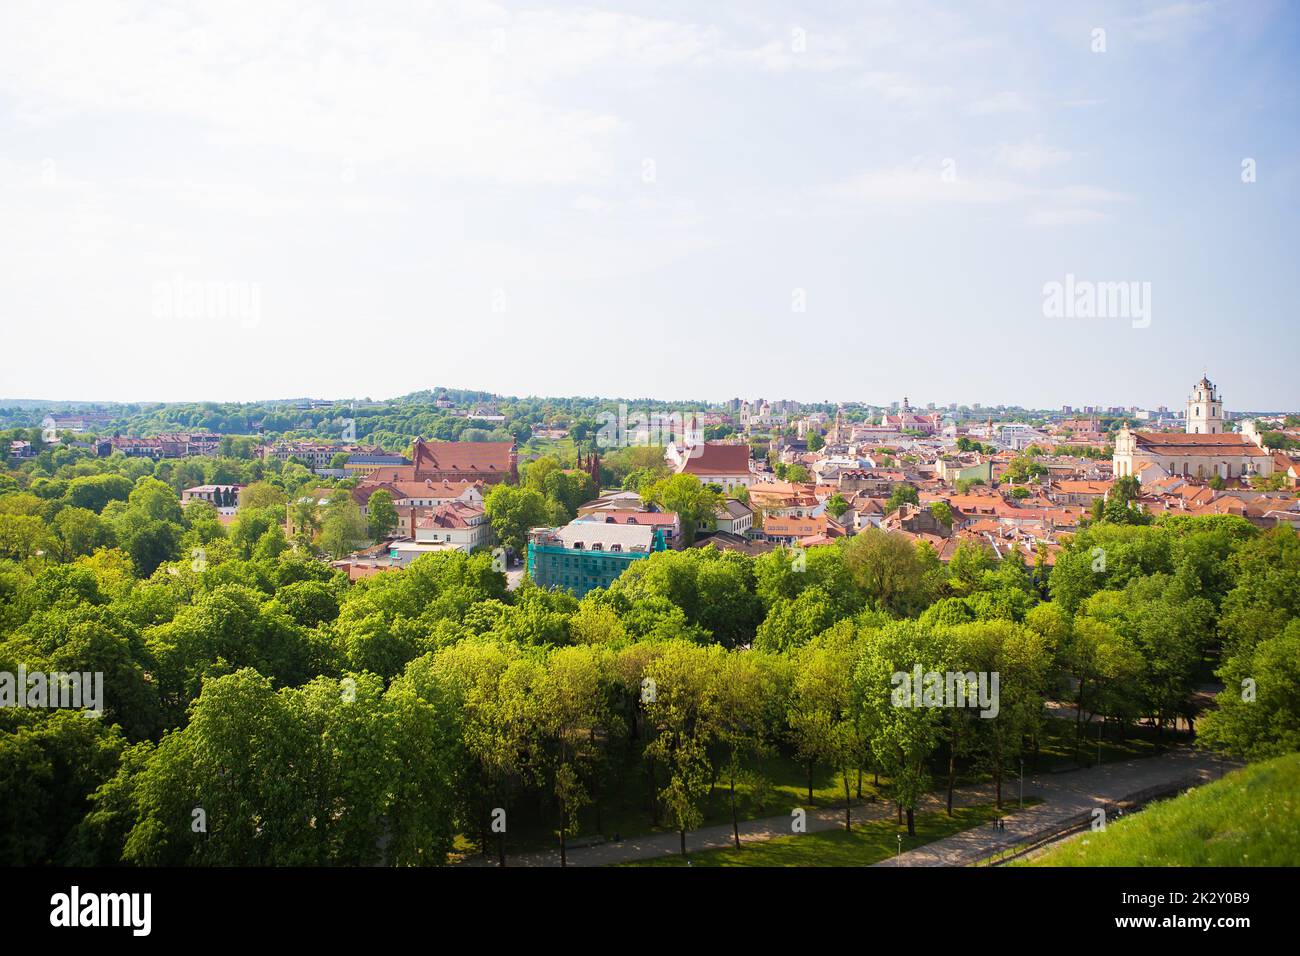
(1204, 410)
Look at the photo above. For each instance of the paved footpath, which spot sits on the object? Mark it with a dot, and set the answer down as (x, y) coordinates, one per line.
(1063, 794)
(1066, 795)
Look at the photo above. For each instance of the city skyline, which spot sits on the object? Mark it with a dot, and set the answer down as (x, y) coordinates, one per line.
(1173, 409)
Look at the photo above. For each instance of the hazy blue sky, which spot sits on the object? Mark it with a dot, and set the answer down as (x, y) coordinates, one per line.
(638, 198)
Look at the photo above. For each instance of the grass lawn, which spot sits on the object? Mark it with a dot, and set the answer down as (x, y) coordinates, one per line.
(1056, 749)
(867, 843)
(1251, 817)
(564, 448)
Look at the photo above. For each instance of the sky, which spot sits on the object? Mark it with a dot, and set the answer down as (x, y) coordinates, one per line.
(840, 201)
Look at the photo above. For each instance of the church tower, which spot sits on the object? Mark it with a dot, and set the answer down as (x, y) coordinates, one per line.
(1204, 410)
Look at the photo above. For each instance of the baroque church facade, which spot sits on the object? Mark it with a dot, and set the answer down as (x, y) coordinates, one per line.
(1203, 450)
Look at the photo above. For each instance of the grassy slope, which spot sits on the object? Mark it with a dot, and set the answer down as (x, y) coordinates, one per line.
(1249, 818)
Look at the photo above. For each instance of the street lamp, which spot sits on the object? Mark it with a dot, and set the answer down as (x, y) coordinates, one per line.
(899, 857)
(1022, 783)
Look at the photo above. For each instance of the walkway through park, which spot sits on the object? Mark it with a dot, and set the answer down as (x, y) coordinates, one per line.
(1066, 796)
(1063, 796)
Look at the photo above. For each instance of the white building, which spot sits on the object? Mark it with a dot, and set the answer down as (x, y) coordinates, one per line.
(457, 525)
(1203, 450)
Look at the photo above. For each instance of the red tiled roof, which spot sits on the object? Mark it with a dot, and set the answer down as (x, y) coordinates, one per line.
(486, 456)
(716, 458)
(1181, 444)
(454, 515)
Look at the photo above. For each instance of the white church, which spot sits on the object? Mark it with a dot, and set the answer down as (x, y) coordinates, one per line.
(1205, 448)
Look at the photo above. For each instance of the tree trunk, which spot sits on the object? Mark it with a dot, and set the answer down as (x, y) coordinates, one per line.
(859, 783)
(501, 837)
(1078, 720)
(911, 822)
(997, 777)
(564, 858)
(683, 833)
(735, 823)
(654, 803)
(848, 805)
(952, 775)
(810, 785)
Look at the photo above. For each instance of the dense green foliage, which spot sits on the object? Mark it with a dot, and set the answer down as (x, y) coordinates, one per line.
(260, 709)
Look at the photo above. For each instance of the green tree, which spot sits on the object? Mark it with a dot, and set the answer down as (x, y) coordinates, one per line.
(382, 514)
(1105, 667)
(745, 688)
(943, 512)
(889, 569)
(512, 511)
(23, 536)
(903, 494)
(261, 494)
(681, 710)
(694, 504)
(306, 521)
(904, 733)
(1257, 715)
(343, 529)
(822, 721)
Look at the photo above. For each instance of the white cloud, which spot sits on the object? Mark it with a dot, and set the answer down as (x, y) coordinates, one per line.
(1031, 157)
(896, 88)
(1174, 21)
(1090, 194)
(924, 185)
(925, 182)
(1006, 102)
(463, 90)
(1066, 217)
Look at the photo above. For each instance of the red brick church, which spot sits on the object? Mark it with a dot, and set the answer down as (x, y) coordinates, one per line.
(486, 461)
